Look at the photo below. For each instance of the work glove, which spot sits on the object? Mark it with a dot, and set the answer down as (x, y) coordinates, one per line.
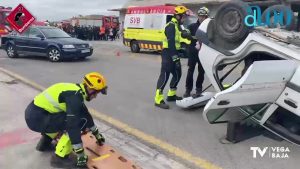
(99, 137)
(186, 34)
(82, 161)
(176, 61)
(175, 58)
(81, 157)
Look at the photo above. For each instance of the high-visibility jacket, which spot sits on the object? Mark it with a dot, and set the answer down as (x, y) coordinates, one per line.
(102, 30)
(66, 98)
(167, 40)
(49, 99)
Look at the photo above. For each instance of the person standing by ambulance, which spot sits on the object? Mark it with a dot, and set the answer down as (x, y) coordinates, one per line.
(193, 59)
(170, 60)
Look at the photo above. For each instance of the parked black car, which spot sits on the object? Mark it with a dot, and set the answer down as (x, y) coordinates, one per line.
(46, 41)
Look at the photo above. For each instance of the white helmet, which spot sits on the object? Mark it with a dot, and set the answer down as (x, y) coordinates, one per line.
(203, 11)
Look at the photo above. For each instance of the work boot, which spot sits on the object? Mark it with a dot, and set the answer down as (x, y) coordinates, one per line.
(45, 144)
(159, 100)
(172, 95)
(173, 98)
(62, 162)
(162, 105)
(187, 94)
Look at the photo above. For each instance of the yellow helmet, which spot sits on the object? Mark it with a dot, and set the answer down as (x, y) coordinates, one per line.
(180, 10)
(96, 81)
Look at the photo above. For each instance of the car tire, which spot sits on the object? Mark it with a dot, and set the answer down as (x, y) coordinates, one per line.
(11, 51)
(134, 47)
(229, 22)
(277, 8)
(54, 54)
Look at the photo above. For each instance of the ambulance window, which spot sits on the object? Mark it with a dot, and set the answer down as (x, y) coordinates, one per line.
(154, 22)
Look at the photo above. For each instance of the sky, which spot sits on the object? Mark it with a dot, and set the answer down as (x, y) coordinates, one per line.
(56, 10)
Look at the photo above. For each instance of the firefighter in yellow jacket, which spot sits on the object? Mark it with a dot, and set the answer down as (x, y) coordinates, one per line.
(61, 108)
(170, 60)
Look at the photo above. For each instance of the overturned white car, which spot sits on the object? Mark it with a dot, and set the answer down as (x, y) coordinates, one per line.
(267, 88)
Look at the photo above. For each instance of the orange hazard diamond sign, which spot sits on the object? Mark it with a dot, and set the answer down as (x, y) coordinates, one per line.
(20, 18)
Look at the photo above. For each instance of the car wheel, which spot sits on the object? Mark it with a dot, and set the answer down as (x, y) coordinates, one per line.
(229, 21)
(269, 12)
(54, 54)
(134, 46)
(11, 51)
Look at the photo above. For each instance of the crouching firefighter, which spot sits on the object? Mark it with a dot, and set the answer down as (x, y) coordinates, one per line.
(60, 108)
(170, 59)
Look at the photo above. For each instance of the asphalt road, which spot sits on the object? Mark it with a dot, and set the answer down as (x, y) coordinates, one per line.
(132, 80)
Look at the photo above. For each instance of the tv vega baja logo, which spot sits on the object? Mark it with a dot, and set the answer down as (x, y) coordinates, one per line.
(271, 17)
(273, 152)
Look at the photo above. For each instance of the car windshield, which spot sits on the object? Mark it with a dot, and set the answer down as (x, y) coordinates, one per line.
(54, 33)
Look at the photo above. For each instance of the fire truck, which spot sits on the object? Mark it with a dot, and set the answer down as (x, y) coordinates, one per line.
(110, 21)
(4, 25)
(107, 21)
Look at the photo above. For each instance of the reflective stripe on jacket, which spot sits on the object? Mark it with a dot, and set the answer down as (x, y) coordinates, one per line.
(49, 98)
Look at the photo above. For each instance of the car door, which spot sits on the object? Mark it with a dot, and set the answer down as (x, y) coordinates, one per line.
(21, 41)
(252, 94)
(37, 42)
(284, 118)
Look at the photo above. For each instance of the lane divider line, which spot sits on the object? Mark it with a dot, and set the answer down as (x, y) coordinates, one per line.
(197, 161)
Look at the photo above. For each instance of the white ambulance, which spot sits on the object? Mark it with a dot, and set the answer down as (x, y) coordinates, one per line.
(144, 27)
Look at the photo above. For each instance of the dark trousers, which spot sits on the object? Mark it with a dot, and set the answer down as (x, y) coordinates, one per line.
(167, 68)
(40, 120)
(192, 62)
(102, 37)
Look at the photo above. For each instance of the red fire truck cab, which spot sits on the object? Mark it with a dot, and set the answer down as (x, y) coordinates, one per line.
(4, 25)
(111, 22)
